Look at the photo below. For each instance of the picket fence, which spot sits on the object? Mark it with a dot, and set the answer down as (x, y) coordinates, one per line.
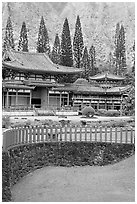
(39, 134)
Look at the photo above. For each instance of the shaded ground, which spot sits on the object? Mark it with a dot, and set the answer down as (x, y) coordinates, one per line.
(113, 183)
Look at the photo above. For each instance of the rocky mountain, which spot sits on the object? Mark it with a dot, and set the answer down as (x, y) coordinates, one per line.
(98, 22)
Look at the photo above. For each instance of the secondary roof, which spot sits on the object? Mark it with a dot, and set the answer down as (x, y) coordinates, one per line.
(107, 76)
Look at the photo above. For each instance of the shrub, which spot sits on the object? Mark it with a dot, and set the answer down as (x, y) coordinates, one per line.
(101, 112)
(88, 111)
(45, 113)
(114, 113)
(6, 122)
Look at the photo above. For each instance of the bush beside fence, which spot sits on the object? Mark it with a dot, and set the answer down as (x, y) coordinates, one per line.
(21, 160)
(28, 148)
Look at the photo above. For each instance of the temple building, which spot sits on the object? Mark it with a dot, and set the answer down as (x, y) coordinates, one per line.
(28, 79)
(31, 80)
(103, 91)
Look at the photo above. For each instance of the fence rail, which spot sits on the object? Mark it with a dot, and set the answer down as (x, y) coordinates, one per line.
(38, 134)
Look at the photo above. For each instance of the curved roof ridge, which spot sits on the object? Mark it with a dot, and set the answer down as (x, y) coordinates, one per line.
(30, 53)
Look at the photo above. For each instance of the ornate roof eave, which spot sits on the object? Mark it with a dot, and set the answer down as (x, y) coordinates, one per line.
(14, 86)
(106, 76)
(38, 71)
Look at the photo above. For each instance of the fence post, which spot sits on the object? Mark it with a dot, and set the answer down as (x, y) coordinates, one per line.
(121, 135)
(60, 133)
(75, 133)
(95, 133)
(80, 133)
(105, 134)
(20, 135)
(86, 133)
(90, 134)
(34, 134)
(70, 133)
(27, 136)
(38, 133)
(131, 135)
(30, 134)
(115, 134)
(51, 133)
(4, 140)
(56, 133)
(65, 133)
(42, 134)
(100, 133)
(111, 134)
(23, 134)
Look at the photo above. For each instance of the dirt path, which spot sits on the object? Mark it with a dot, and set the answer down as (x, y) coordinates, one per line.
(113, 183)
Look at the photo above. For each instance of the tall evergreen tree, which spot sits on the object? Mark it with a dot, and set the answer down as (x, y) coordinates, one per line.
(43, 39)
(92, 61)
(8, 40)
(23, 41)
(55, 55)
(66, 47)
(122, 52)
(78, 44)
(116, 52)
(85, 64)
(133, 67)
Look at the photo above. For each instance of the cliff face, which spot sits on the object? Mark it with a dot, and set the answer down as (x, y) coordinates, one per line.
(98, 22)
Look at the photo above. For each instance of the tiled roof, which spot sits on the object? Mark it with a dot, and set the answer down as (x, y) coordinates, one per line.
(81, 81)
(118, 89)
(16, 85)
(36, 63)
(80, 86)
(86, 87)
(41, 83)
(107, 76)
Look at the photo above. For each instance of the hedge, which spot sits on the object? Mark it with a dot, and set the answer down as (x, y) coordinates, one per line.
(21, 160)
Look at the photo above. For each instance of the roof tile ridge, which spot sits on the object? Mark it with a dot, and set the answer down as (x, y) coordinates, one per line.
(48, 58)
(28, 53)
(15, 59)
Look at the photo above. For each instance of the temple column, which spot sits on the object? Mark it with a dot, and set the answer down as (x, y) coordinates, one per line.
(98, 105)
(60, 99)
(112, 104)
(7, 99)
(2, 99)
(48, 96)
(68, 100)
(30, 98)
(106, 104)
(121, 106)
(16, 102)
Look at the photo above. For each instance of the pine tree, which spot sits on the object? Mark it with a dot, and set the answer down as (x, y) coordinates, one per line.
(117, 47)
(55, 55)
(133, 67)
(85, 64)
(122, 54)
(92, 61)
(43, 39)
(66, 47)
(23, 41)
(78, 44)
(8, 40)
(120, 51)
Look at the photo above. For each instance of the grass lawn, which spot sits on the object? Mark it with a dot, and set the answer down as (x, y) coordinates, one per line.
(112, 183)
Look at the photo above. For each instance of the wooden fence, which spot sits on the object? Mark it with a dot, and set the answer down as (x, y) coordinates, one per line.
(37, 134)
